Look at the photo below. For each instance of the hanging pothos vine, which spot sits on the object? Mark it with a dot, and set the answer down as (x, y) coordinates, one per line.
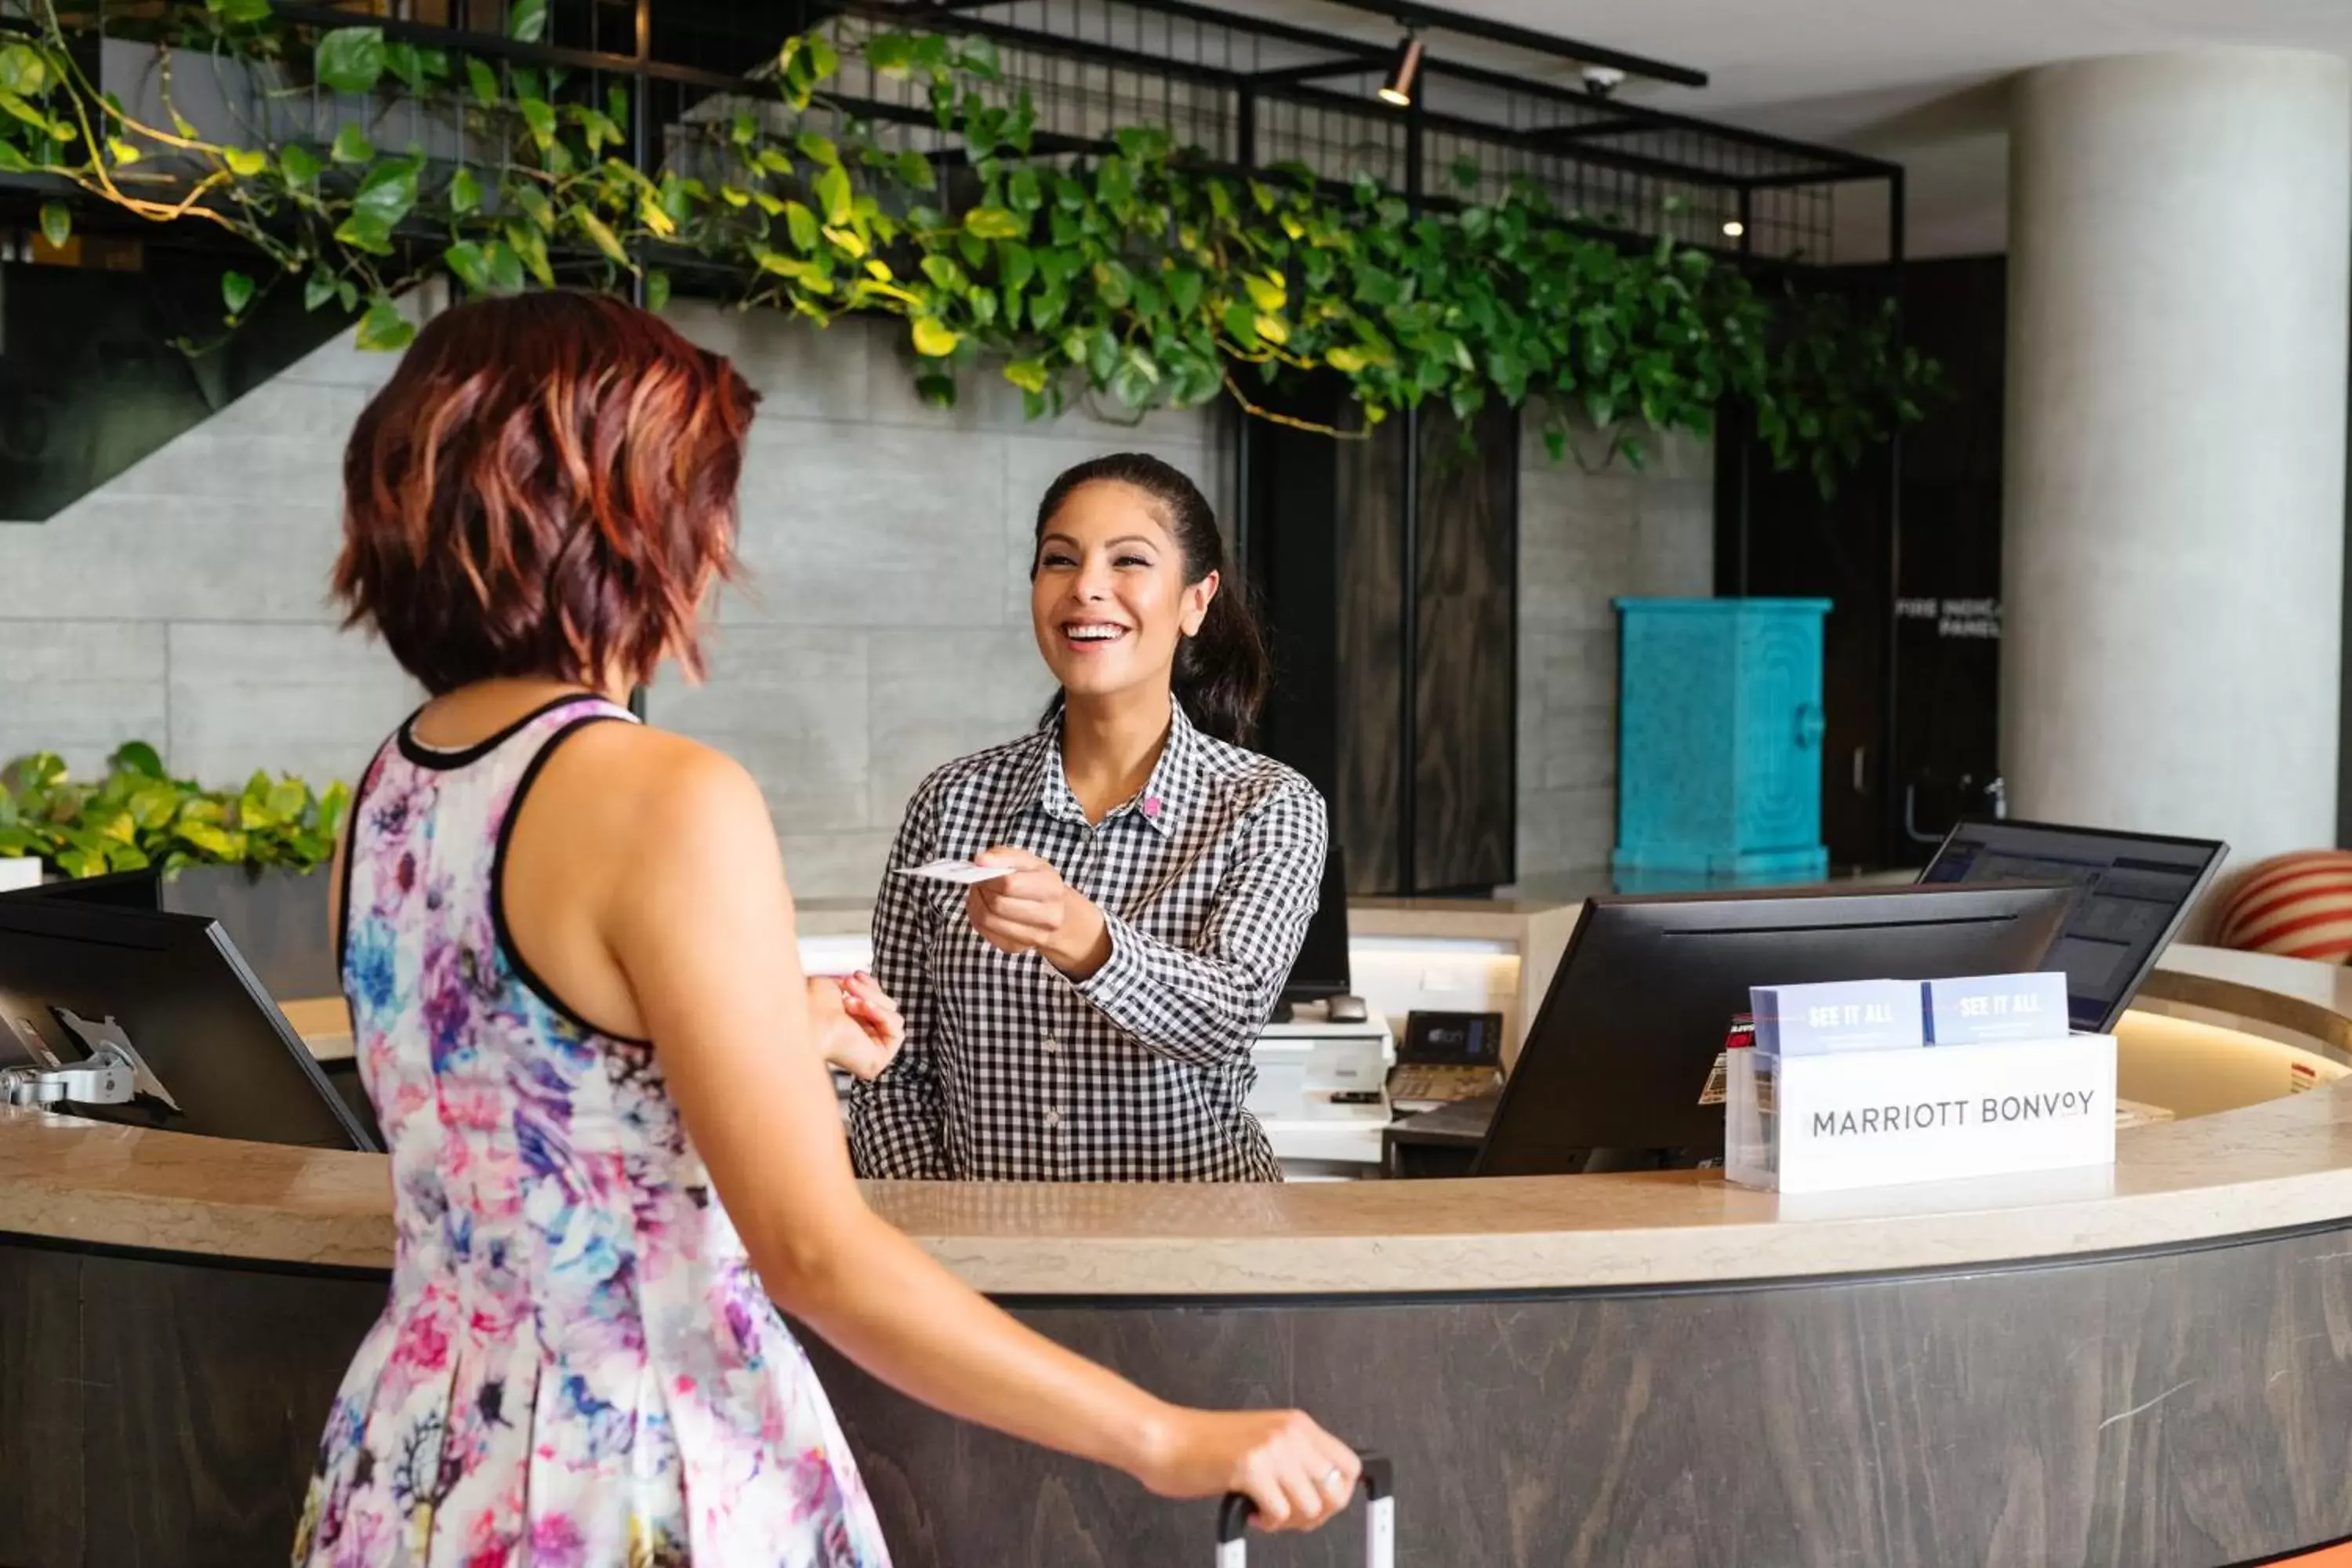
(1137, 272)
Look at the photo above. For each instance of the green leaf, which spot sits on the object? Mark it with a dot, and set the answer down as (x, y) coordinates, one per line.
(137, 757)
(1266, 290)
(241, 13)
(506, 269)
(657, 291)
(465, 193)
(1102, 354)
(833, 193)
(818, 148)
(1028, 375)
(935, 339)
(802, 225)
(890, 54)
(57, 224)
(530, 246)
(153, 805)
(236, 292)
(471, 263)
(298, 164)
(23, 71)
(539, 115)
(317, 290)
(351, 145)
(388, 194)
(1185, 291)
(289, 799)
(407, 62)
(528, 21)
(245, 162)
(978, 55)
(1020, 263)
(383, 328)
(123, 151)
(365, 231)
(484, 80)
(350, 60)
(993, 223)
(601, 234)
(212, 840)
(915, 170)
(348, 293)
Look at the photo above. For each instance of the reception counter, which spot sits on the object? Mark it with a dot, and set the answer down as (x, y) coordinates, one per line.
(2141, 1366)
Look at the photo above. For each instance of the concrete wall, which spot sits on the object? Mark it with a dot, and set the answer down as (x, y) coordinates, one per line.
(883, 628)
(1585, 539)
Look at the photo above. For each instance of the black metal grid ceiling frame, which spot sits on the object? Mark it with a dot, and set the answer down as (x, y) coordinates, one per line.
(1290, 93)
(1247, 91)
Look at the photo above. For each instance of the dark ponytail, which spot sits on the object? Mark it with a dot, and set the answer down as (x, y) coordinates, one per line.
(1221, 673)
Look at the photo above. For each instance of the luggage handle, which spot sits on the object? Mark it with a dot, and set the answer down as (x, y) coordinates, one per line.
(1377, 1484)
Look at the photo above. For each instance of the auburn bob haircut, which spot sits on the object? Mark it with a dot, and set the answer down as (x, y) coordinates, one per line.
(545, 488)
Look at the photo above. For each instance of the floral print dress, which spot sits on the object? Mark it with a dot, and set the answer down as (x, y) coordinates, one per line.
(577, 1367)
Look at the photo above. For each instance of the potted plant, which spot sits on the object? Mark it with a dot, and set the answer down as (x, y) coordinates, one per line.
(252, 859)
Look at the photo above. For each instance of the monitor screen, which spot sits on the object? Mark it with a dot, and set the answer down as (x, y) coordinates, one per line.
(1321, 968)
(1616, 1070)
(2137, 889)
(226, 1062)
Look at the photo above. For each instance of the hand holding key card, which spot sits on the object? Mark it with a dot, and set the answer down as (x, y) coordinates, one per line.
(962, 873)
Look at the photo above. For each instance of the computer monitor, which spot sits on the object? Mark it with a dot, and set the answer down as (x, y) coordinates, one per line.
(1320, 970)
(176, 989)
(1615, 1072)
(116, 890)
(2138, 889)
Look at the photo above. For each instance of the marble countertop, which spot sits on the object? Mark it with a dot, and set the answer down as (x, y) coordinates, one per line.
(2281, 1164)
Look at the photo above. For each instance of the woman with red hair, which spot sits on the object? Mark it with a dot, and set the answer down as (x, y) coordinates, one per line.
(568, 947)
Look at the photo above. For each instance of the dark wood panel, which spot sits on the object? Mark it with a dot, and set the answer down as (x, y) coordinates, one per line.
(2190, 1410)
(2172, 1411)
(176, 1408)
(212, 1415)
(42, 1495)
(1368, 675)
(1466, 806)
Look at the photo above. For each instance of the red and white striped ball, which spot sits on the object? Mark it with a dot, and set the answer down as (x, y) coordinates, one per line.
(2299, 905)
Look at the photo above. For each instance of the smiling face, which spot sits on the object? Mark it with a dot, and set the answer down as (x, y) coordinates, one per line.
(1107, 594)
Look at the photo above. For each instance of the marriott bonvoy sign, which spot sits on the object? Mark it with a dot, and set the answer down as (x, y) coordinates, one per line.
(1876, 1117)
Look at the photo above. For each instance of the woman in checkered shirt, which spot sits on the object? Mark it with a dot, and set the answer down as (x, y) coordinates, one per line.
(1089, 1016)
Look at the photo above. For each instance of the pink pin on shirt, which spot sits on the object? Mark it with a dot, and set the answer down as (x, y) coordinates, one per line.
(1151, 805)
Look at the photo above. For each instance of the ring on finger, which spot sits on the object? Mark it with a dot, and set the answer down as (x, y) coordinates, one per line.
(1332, 1478)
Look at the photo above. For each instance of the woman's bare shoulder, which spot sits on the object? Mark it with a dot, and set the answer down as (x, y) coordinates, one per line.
(634, 784)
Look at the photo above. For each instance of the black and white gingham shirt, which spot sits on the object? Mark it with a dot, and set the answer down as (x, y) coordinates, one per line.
(1012, 1071)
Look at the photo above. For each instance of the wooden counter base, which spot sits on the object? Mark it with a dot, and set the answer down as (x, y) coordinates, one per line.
(2188, 1407)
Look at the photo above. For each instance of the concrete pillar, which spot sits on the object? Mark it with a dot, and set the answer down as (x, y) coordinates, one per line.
(2173, 529)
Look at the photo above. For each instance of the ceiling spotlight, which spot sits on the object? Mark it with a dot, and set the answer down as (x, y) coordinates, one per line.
(1733, 228)
(1397, 90)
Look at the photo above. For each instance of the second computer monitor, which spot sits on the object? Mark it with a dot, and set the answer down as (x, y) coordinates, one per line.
(1615, 1070)
(2137, 890)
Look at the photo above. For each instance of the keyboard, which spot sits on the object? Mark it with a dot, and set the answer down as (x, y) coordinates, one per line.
(1442, 1085)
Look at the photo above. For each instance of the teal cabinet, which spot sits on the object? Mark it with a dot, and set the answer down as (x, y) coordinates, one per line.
(1719, 738)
